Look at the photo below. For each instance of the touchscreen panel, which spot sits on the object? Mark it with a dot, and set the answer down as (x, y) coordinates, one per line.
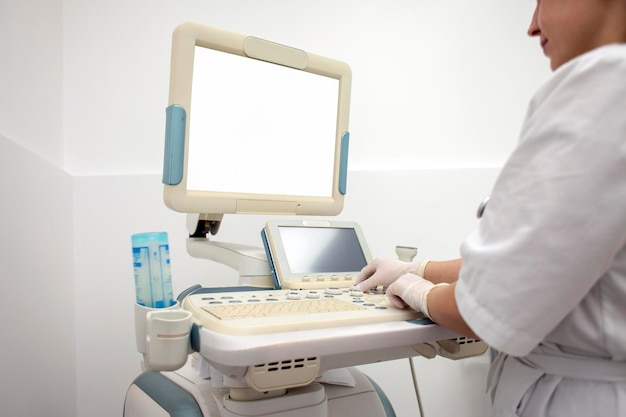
(315, 254)
(315, 250)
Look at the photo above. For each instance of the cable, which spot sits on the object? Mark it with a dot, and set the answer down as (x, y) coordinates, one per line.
(417, 390)
(406, 254)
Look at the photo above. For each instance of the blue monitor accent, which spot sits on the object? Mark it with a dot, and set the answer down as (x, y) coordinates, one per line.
(173, 160)
(343, 168)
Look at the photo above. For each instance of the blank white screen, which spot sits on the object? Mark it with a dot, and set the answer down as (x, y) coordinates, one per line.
(260, 128)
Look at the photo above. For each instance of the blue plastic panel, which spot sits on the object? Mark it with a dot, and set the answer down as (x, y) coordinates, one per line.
(174, 155)
(343, 167)
(172, 398)
(270, 260)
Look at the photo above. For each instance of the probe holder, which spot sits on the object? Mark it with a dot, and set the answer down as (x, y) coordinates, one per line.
(162, 336)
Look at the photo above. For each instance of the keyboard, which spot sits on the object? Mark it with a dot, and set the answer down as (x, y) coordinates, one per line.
(272, 311)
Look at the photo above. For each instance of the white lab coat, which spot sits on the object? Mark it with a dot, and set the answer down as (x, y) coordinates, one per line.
(544, 274)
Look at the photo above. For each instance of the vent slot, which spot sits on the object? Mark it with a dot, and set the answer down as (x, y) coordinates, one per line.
(283, 374)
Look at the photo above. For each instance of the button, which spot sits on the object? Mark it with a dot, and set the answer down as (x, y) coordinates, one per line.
(312, 294)
(294, 295)
(320, 278)
(334, 278)
(333, 291)
(356, 293)
(306, 278)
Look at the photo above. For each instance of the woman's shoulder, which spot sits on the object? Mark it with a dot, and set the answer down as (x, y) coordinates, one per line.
(603, 60)
(591, 74)
(609, 56)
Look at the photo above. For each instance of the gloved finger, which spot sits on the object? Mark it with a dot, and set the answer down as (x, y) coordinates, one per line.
(380, 271)
(413, 290)
(371, 276)
(396, 289)
(395, 300)
(367, 271)
(367, 284)
(399, 285)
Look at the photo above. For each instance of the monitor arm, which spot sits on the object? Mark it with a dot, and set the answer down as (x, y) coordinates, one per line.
(249, 261)
(199, 225)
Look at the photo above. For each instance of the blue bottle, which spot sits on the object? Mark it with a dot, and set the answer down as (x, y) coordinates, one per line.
(153, 277)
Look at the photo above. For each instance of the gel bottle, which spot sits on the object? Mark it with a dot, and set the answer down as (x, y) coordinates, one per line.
(151, 263)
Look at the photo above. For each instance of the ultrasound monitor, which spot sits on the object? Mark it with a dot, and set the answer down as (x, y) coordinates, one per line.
(315, 254)
(254, 126)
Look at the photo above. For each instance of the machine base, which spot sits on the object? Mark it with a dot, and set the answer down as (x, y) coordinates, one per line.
(171, 395)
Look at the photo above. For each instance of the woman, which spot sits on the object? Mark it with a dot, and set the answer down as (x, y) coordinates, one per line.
(543, 278)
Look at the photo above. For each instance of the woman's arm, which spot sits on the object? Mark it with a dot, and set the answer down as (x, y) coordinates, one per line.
(443, 310)
(443, 271)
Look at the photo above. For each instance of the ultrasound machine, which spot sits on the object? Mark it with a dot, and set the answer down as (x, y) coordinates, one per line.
(256, 127)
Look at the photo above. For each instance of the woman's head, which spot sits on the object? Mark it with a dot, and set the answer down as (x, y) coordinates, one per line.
(568, 28)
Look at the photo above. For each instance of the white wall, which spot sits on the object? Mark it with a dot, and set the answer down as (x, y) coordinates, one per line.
(31, 88)
(436, 83)
(439, 92)
(38, 344)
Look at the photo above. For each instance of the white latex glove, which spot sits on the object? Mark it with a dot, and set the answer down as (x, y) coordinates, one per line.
(412, 291)
(384, 271)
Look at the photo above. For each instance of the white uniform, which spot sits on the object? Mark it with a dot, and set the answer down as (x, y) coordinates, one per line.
(544, 275)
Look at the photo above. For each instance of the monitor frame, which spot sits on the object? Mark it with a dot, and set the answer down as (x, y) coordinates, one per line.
(185, 39)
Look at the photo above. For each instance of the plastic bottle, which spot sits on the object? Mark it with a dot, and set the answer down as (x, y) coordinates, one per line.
(153, 277)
